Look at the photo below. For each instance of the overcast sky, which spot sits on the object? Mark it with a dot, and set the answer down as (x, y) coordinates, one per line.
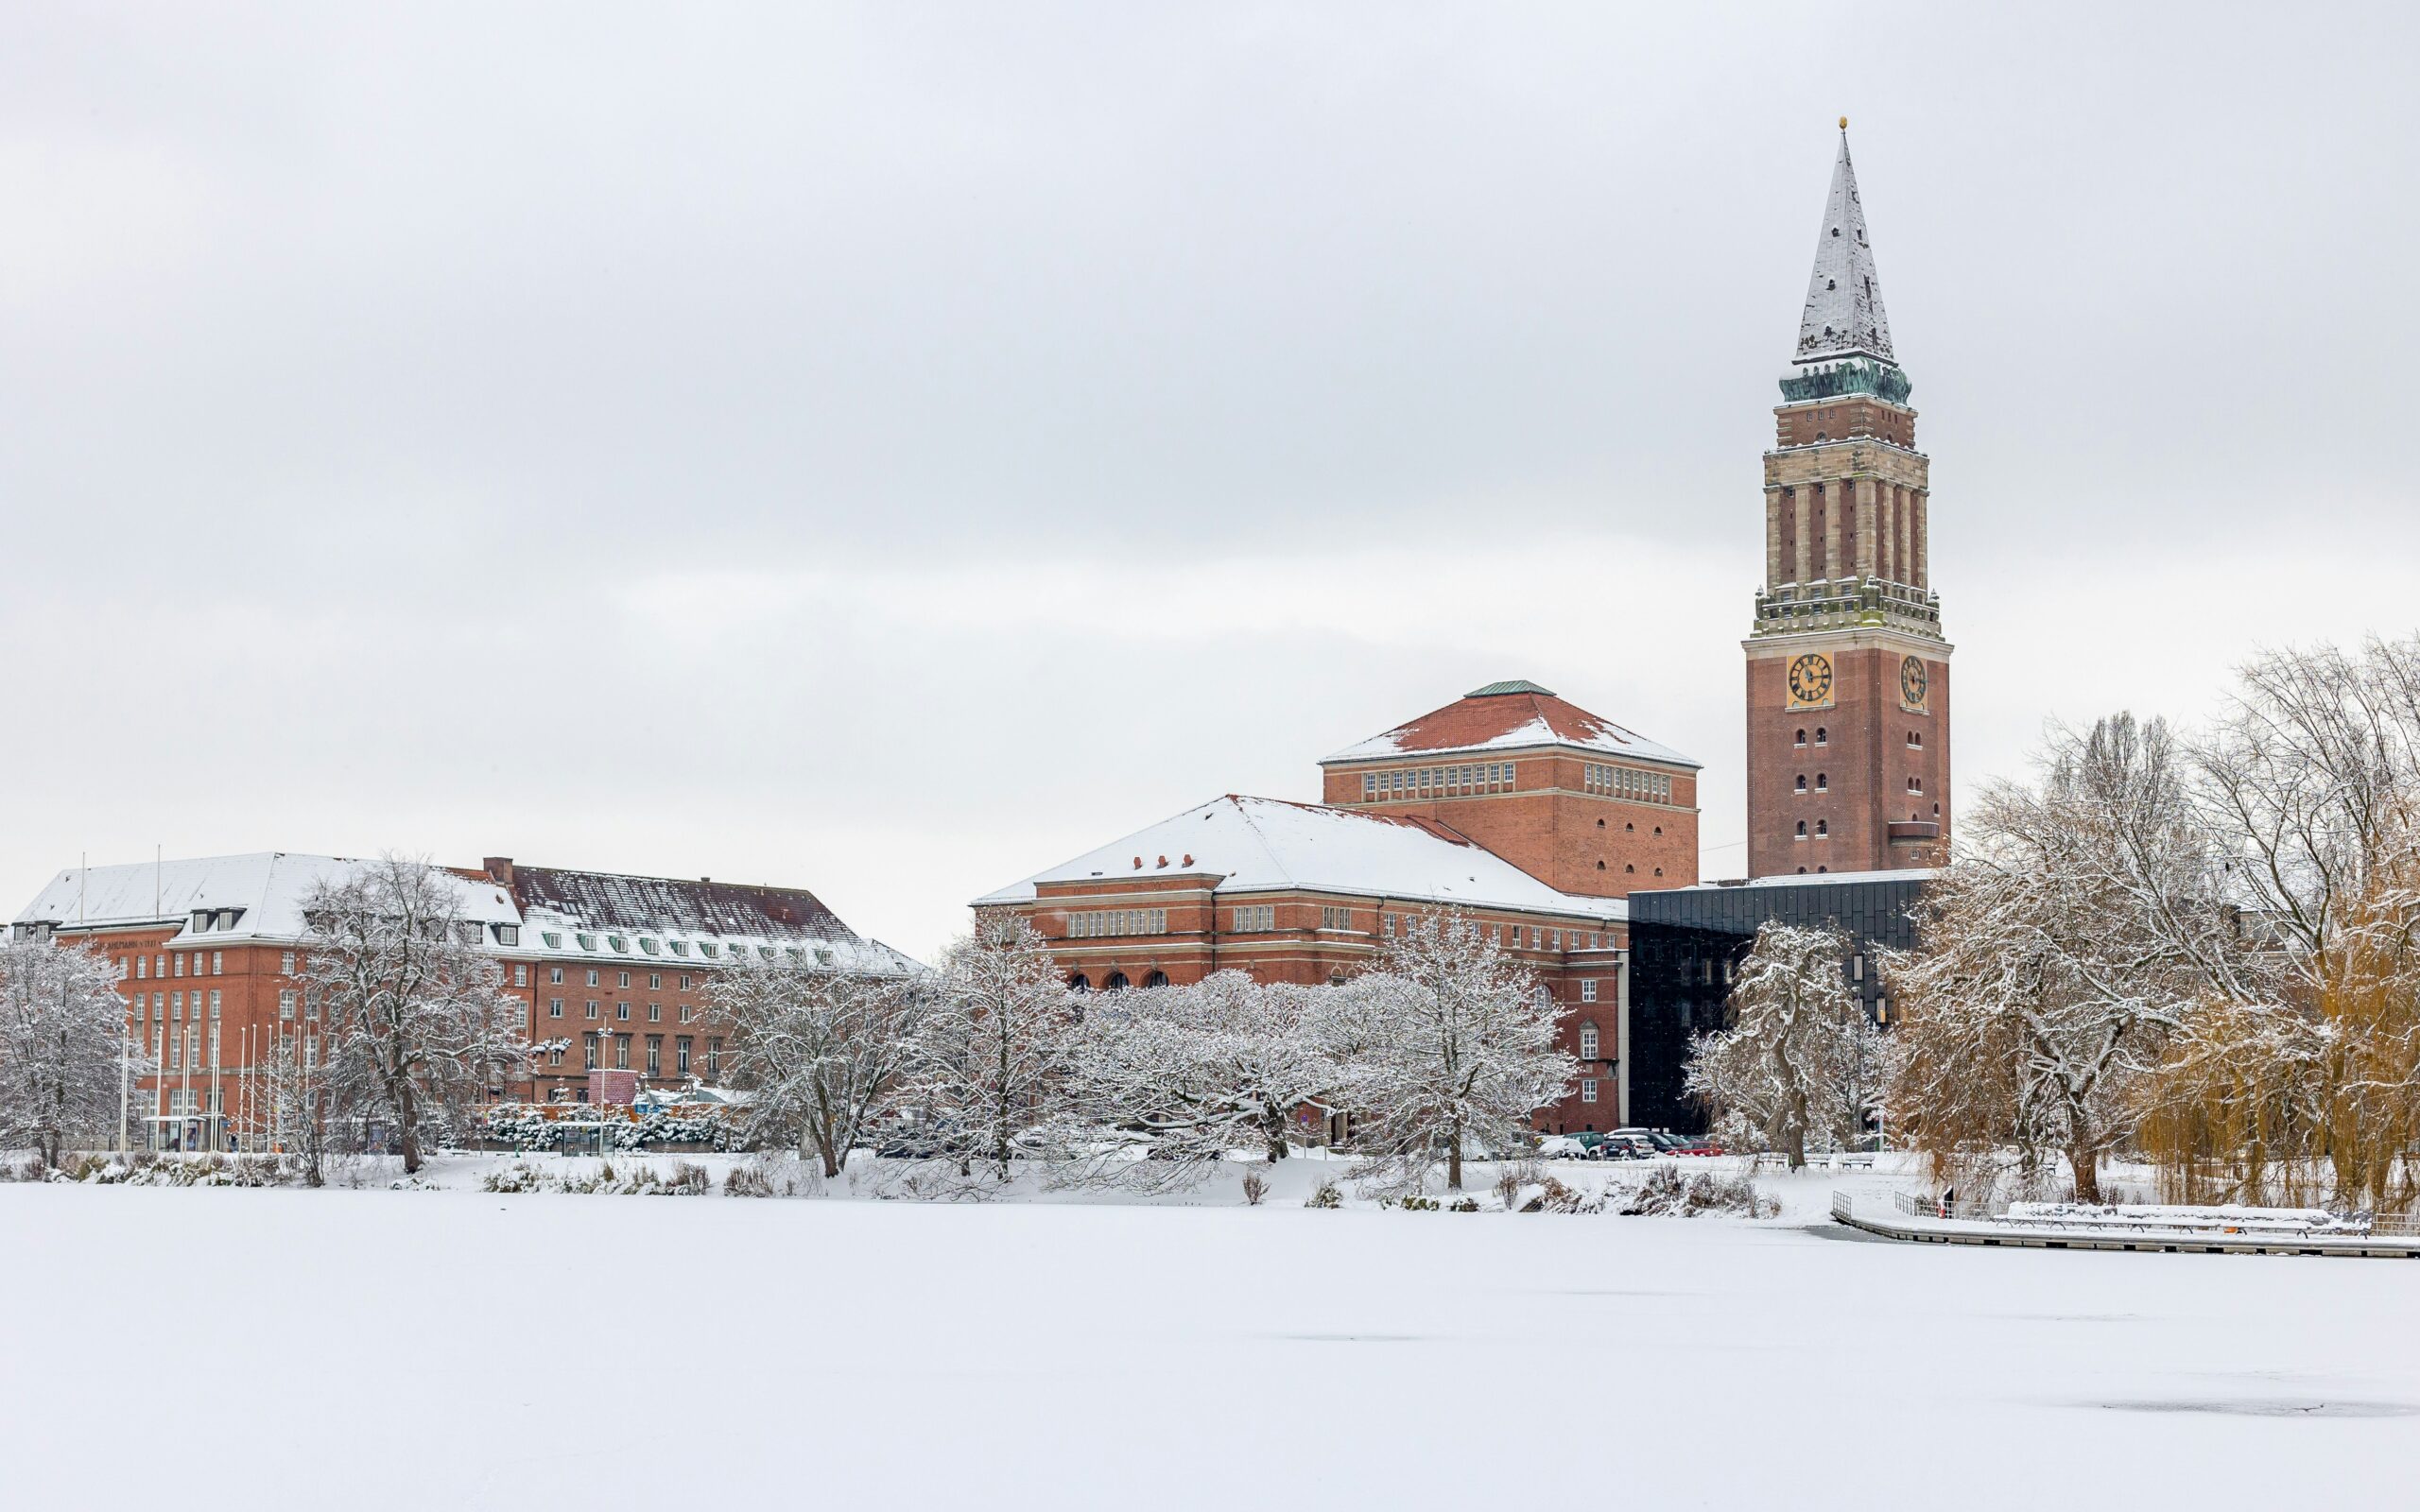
(890, 450)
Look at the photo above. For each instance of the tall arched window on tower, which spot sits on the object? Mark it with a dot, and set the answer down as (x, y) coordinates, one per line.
(1801, 737)
(1823, 828)
(1820, 738)
(1822, 783)
(1801, 829)
(1802, 781)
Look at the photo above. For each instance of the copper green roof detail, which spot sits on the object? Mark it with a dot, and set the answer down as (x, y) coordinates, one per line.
(1516, 685)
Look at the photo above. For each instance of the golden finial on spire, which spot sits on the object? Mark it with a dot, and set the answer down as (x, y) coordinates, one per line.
(1845, 122)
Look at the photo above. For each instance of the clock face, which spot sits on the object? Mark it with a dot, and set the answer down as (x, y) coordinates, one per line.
(1810, 679)
(1912, 683)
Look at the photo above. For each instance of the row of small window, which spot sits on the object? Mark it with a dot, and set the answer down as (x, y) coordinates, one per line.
(167, 1005)
(1625, 781)
(1118, 922)
(1916, 738)
(1508, 936)
(176, 1052)
(684, 1050)
(1408, 782)
(710, 949)
(621, 1012)
(1115, 980)
(555, 978)
(205, 963)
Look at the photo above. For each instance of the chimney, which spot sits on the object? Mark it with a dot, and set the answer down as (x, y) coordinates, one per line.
(499, 870)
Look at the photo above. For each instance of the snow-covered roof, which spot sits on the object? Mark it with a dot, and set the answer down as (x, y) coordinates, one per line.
(1508, 717)
(677, 920)
(1817, 879)
(1265, 845)
(1843, 313)
(267, 887)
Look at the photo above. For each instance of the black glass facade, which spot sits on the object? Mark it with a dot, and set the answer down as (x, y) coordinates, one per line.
(1686, 943)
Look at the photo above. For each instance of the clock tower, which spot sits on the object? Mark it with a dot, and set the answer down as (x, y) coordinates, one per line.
(1848, 675)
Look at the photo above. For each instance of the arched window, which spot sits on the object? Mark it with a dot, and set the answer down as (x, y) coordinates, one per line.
(1589, 1043)
(1801, 737)
(1823, 869)
(1822, 783)
(1627, 869)
(1802, 871)
(1601, 866)
(1801, 829)
(1600, 824)
(1822, 827)
(1115, 980)
(1659, 828)
(1802, 781)
(1659, 871)
(1080, 983)
(1821, 738)
(1156, 979)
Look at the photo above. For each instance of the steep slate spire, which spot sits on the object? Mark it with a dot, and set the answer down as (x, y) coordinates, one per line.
(1843, 299)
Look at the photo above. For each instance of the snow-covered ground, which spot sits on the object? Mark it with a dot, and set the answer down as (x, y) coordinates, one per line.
(380, 1349)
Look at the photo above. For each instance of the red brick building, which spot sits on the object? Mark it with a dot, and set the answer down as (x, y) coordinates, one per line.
(1847, 674)
(611, 971)
(1528, 814)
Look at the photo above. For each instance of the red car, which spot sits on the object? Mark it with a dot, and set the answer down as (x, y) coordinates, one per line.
(1690, 1145)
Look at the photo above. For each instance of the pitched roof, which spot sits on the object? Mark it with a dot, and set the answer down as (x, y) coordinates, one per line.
(268, 886)
(1261, 845)
(614, 909)
(1843, 313)
(1508, 717)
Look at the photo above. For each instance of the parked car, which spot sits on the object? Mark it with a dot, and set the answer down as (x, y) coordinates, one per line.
(1624, 1148)
(1697, 1146)
(1562, 1147)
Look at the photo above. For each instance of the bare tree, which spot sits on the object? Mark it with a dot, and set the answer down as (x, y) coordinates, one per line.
(416, 1024)
(1799, 1057)
(63, 1048)
(2055, 956)
(1447, 1045)
(822, 1053)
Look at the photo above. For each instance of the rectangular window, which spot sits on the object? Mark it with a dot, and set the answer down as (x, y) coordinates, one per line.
(554, 1007)
(1256, 917)
(177, 1002)
(1588, 1042)
(143, 967)
(655, 981)
(1588, 989)
(588, 1050)
(1587, 1089)
(622, 1012)
(176, 1053)
(218, 963)
(684, 1013)
(592, 976)
(680, 1056)
(214, 1044)
(286, 963)
(520, 976)
(621, 1052)
(714, 1058)
(591, 1008)
(684, 983)
(656, 1054)
(180, 960)
(1368, 784)
(554, 976)
(655, 1013)
(1335, 917)
(214, 1004)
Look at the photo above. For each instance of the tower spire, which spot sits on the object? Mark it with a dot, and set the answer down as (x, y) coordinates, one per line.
(1843, 316)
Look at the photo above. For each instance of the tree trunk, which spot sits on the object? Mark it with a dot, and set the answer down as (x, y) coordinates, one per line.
(407, 1113)
(1797, 1146)
(1454, 1160)
(2087, 1169)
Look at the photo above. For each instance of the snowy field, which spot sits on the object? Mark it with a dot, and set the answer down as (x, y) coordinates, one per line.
(448, 1348)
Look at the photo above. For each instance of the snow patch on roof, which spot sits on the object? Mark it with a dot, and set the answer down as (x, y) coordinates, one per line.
(1266, 844)
(1523, 716)
(270, 886)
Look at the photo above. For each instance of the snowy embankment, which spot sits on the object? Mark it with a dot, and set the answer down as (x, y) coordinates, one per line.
(376, 1349)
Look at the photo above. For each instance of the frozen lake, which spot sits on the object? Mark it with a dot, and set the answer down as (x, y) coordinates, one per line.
(380, 1349)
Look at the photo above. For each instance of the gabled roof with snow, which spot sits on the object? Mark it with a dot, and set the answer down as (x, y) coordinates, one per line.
(1266, 844)
(267, 887)
(676, 920)
(1843, 314)
(1509, 716)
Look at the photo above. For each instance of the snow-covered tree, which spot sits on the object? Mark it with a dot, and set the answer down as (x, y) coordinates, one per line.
(414, 1023)
(1447, 1045)
(1799, 1059)
(1194, 1074)
(989, 1080)
(62, 1037)
(2055, 956)
(822, 1053)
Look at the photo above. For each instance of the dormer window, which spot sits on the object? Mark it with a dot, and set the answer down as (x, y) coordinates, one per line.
(647, 945)
(508, 933)
(553, 938)
(618, 942)
(587, 942)
(680, 947)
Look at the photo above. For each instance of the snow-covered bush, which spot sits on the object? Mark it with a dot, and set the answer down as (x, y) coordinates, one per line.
(544, 1126)
(748, 1180)
(1255, 1187)
(1325, 1196)
(1666, 1193)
